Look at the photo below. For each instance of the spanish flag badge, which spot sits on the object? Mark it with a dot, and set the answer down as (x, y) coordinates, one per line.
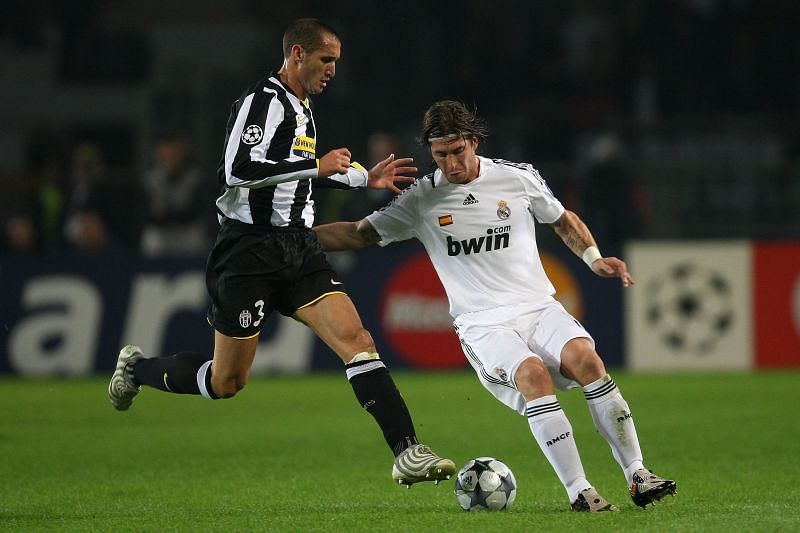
(445, 220)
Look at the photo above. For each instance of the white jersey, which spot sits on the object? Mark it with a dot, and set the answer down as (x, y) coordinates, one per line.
(480, 236)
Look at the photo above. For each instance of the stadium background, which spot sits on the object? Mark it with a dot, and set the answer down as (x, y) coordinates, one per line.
(669, 126)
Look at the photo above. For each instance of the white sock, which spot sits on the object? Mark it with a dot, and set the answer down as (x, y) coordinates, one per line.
(204, 380)
(553, 433)
(612, 418)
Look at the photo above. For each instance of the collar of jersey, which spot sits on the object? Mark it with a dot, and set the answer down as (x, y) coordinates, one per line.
(274, 76)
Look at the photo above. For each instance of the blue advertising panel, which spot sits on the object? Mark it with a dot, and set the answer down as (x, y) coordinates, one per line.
(69, 315)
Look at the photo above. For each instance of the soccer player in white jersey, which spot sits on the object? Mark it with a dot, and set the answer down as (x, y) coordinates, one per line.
(475, 217)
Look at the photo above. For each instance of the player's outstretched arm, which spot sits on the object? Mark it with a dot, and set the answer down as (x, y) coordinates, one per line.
(388, 172)
(579, 239)
(346, 235)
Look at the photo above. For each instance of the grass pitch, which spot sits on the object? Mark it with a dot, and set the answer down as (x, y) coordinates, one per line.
(297, 454)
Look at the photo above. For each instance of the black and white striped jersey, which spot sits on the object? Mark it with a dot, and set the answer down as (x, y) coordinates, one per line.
(270, 159)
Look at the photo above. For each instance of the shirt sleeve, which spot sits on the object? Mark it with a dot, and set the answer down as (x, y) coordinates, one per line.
(252, 134)
(543, 203)
(356, 177)
(397, 221)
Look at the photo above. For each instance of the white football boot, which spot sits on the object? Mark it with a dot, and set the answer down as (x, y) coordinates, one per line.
(122, 389)
(419, 463)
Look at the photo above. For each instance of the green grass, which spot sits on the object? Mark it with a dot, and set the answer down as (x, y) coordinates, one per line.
(297, 454)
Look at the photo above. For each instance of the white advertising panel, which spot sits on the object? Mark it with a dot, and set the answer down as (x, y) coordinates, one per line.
(691, 306)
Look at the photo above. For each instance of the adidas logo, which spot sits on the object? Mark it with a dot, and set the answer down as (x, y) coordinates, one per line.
(469, 200)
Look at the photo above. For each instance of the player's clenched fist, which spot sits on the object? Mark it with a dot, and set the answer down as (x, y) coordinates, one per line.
(334, 162)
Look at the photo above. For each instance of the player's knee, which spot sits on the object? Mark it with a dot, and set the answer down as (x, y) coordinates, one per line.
(361, 340)
(587, 367)
(593, 367)
(533, 379)
(580, 362)
(228, 387)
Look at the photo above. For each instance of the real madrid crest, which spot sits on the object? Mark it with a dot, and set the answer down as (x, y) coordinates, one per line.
(503, 211)
(502, 373)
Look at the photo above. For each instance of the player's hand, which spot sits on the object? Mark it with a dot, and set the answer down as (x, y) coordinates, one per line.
(334, 162)
(385, 174)
(611, 267)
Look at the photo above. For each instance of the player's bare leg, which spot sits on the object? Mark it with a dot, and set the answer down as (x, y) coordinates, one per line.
(553, 433)
(230, 368)
(613, 420)
(335, 320)
(185, 372)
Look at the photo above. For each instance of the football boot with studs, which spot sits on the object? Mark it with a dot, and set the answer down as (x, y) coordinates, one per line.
(647, 487)
(419, 463)
(589, 501)
(122, 388)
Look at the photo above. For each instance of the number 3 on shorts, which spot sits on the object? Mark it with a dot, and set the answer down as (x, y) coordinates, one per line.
(260, 307)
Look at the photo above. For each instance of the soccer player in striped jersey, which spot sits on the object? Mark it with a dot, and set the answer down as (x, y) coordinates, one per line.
(267, 258)
(475, 217)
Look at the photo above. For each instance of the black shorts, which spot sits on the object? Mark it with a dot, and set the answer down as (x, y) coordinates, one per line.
(254, 270)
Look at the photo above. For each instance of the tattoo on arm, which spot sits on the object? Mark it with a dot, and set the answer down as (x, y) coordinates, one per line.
(573, 232)
(574, 241)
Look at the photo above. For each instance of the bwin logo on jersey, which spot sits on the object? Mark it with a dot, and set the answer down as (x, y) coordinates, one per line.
(495, 239)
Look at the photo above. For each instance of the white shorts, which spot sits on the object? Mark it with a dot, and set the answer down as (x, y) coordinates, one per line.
(497, 340)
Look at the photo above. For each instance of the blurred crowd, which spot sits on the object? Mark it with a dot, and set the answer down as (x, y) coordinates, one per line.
(608, 97)
(74, 203)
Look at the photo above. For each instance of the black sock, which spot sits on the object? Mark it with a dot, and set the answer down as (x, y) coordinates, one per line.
(377, 393)
(175, 373)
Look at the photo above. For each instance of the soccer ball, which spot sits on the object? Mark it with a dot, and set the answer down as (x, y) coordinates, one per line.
(485, 484)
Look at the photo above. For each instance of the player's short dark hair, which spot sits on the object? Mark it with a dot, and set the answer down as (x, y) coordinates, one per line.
(308, 33)
(450, 118)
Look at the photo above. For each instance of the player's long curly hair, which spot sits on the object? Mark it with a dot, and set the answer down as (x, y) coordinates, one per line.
(448, 118)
